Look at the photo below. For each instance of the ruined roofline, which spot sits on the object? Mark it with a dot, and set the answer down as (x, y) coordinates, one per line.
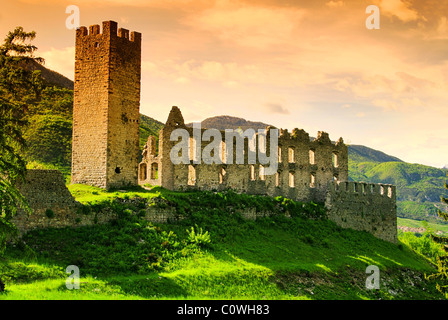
(109, 29)
(175, 120)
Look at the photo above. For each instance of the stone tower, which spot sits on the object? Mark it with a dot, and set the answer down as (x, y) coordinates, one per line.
(105, 147)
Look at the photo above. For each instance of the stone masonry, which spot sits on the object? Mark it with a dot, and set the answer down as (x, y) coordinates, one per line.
(308, 170)
(305, 166)
(365, 207)
(106, 106)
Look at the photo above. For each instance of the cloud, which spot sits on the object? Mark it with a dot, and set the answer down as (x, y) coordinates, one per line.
(333, 4)
(134, 3)
(276, 108)
(399, 9)
(248, 25)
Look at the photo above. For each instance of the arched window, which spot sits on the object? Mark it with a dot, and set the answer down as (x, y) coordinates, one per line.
(252, 172)
(313, 180)
(312, 157)
(291, 156)
(154, 170)
(143, 171)
(191, 175)
(292, 182)
(222, 175)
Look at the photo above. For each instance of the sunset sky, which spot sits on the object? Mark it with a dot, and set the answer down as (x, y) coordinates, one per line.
(308, 64)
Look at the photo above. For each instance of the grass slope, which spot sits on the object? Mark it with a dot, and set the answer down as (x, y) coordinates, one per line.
(226, 257)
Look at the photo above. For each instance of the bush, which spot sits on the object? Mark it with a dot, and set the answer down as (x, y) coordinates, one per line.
(199, 237)
(423, 244)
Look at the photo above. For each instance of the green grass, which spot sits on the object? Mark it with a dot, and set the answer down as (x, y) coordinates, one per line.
(302, 257)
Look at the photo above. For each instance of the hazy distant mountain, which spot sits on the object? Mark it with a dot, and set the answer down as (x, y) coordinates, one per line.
(228, 122)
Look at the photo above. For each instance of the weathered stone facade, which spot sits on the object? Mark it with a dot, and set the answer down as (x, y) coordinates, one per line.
(53, 206)
(365, 207)
(106, 106)
(304, 165)
(308, 170)
(50, 201)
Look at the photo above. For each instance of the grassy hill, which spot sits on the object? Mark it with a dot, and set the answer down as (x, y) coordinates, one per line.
(358, 153)
(226, 257)
(148, 126)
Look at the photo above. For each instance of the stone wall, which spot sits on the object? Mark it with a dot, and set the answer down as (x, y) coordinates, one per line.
(53, 206)
(51, 203)
(305, 166)
(106, 106)
(361, 206)
(364, 206)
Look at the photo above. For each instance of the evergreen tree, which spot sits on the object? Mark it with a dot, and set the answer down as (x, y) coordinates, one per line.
(19, 88)
(442, 267)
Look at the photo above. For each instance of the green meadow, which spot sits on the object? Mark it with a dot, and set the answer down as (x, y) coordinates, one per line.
(213, 253)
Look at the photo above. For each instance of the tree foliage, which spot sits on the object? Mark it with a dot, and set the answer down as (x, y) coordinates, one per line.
(442, 262)
(19, 88)
(49, 130)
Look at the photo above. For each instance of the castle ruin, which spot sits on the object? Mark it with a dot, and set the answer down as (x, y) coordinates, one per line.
(106, 145)
(305, 166)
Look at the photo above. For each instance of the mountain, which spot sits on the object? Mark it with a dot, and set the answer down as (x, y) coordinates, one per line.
(228, 122)
(360, 153)
(148, 127)
(50, 76)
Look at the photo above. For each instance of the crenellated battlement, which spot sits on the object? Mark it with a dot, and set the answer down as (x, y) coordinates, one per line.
(363, 188)
(106, 106)
(363, 206)
(110, 29)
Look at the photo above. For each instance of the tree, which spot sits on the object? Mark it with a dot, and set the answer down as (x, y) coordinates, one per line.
(19, 88)
(442, 261)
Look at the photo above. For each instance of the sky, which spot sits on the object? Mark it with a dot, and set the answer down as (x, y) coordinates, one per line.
(312, 64)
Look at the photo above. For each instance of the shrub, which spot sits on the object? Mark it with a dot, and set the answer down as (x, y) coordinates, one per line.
(199, 237)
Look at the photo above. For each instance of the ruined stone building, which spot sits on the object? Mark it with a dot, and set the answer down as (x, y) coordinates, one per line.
(305, 166)
(106, 106)
(106, 145)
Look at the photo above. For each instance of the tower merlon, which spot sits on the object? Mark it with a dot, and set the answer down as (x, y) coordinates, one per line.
(110, 28)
